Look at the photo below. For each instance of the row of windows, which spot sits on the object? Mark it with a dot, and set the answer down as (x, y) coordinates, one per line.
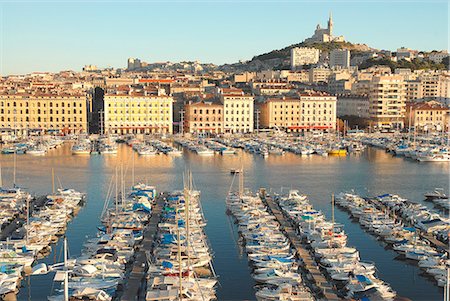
(138, 131)
(206, 125)
(26, 111)
(138, 119)
(431, 112)
(421, 118)
(14, 104)
(139, 105)
(237, 125)
(303, 112)
(138, 112)
(306, 124)
(39, 125)
(51, 119)
(237, 112)
(207, 119)
(237, 105)
(213, 111)
(303, 106)
(304, 119)
(236, 119)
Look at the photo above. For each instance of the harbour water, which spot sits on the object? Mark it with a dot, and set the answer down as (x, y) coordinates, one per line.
(371, 173)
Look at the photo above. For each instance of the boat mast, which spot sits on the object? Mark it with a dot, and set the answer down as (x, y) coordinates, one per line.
(117, 192)
(66, 273)
(332, 219)
(415, 134)
(447, 285)
(122, 186)
(343, 133)
(338, 133)
(53, 180)
(14, 169)
(241, 181)
(132, 169)
(28, 220)
(409, 128)
(187, 192)
(180, 271)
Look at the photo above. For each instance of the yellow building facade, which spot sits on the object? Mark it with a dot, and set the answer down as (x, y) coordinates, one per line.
(58, 113)
(308, 112)
(428, 116)
(138, 114)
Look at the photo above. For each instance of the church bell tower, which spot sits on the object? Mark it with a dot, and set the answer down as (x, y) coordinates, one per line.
(330, 25)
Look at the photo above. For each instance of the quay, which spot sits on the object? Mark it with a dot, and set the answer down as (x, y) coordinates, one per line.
(322, 287)
(135, 287)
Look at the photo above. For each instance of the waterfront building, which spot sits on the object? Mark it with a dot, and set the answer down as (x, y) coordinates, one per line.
(136, 111)
(205, 116)
(304, 56)
(427, 116)
(44, 112)
(237, 112)
(308, 111)
(387, 96)
(318, 111)
(340, 58)
(281, 113)
(352, 105)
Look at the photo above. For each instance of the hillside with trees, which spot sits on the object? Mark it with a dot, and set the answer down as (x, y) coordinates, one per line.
(415, 64)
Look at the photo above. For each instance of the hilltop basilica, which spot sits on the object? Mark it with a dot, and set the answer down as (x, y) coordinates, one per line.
(325, 35)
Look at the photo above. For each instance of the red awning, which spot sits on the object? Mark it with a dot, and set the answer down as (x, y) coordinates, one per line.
(138, 128)
(314, 127)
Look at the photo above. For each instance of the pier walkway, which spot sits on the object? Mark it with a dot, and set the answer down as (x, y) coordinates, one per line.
(21, 217)
(309, 264)
(134, 288)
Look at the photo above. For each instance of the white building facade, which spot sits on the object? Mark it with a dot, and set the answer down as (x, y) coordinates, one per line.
(340, 58)
(304, 56)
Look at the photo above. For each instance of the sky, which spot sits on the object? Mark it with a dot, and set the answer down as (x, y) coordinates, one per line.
(66, 35)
